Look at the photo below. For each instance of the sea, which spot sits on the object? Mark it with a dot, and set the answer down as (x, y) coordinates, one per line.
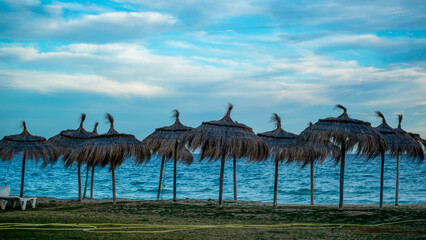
(201, 181)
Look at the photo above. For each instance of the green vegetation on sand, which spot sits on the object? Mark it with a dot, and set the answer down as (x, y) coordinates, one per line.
(201, 219)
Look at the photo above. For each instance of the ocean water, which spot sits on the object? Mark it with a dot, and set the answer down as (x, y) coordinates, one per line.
(255, 181)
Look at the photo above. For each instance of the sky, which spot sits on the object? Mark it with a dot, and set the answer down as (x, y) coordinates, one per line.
(140, 59)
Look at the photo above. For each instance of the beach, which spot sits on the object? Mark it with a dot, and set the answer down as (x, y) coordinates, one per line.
(201, 219)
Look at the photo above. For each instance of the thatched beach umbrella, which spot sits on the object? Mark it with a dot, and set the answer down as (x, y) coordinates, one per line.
(69, 140)
(110, 149)
(165, 143)
(310, 152)
(282, 145)
(417, 137)
(31, 147)
(287, 146)
(347, 134)
(404, 142)
(397, 142)
(226, 138)
(95, 132)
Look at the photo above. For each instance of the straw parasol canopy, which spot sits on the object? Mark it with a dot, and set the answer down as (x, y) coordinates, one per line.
(288, 146)
(417, 137)
(282, 145)
(311, 153)
(347, 134)
(223, 139)
(69, 140)
(164, 142)
(400, 143)
(31, 147)
(111, 148)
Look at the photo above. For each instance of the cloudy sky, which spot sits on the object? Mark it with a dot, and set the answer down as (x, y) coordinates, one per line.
(140, 59)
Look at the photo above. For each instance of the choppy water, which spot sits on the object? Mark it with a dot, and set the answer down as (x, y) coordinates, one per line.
(255, 181)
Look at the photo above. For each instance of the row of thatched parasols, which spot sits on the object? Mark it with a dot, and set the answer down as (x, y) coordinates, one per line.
(222, 139)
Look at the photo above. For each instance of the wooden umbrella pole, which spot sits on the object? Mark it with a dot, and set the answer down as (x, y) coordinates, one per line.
(79, 181)
(342, 176)
(87, 180)
(174, 172)
(113, 185)
(91, 184)
(161, 178)
(235, 178)
(381, 178)
(22, 175)
(275, 184)
(222, 169)
(397, 180)
(312, 182)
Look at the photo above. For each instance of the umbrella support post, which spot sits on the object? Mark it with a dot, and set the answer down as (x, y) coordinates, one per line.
(161, 179)
(91, 184)
(79, 181)
(312, 182)
(174, 172)
(275, 184)
(381, 179)
(222, 169)
(235, 178)
(87, 180)
(342, 176)
(22, 176)
(397, 180)
(113, 186)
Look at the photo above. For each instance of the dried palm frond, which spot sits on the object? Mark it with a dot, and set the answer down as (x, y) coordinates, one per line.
(226, 138)
(398, 142)
(343, 129)
(110, 149)
(32, 147)
(69, 140)
(163, 141)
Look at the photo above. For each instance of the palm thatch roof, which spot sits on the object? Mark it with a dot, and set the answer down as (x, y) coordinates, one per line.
(68, 140)
(315, 152)
(162, 141)
(417, 137)
(343, 129)
(281, 144)
(33, 147)
(398, 141)
(111, 148)
(95, 128)
(226, 138)
(289, 146)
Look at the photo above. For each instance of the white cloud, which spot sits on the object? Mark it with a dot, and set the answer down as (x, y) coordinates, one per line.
(199, 12)
(180, 44)
(55, 82)
(306, 79)
(49, 22)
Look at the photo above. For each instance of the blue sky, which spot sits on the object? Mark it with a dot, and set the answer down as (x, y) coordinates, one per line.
(140, 59)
